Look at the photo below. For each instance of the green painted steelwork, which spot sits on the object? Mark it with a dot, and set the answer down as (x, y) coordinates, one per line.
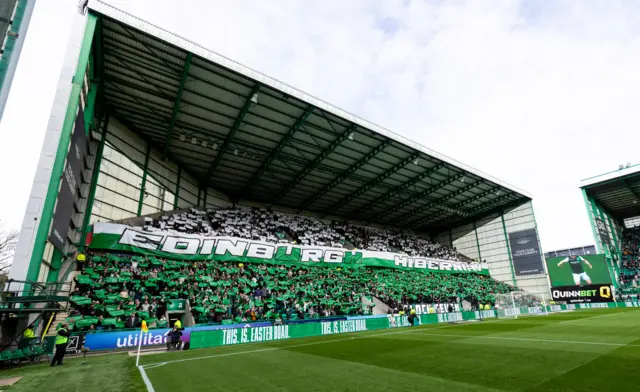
(145, 170)
(400, 188)
(481, 211)
(633, 192)
(177, 192)
(607, 247)
(374, 182)
(346, 173)
(616, 241)
(94, 183)
(475, 230)
(176, 104)
(544, 264)
(60, 155)
(90, 108)
(587, 204)
(617, 249)
(417, 197)
(275, 153)
(232, 132)
(506, 240)
(54, 266)
(313, 164)
(12, 37)
(464, 203)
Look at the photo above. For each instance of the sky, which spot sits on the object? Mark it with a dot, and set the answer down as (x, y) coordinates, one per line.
(540, 94)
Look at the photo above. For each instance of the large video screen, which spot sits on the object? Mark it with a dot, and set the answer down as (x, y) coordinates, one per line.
(578, 270)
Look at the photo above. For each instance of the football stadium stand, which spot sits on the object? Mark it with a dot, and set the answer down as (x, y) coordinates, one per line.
(113, 287)
(173, 176)
(613, 205)
(630, 263)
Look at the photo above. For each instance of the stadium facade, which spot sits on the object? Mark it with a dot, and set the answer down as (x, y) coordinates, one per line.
(612, 201)
(145, 121)
(15, 16)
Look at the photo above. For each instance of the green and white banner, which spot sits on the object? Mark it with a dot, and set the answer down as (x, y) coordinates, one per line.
(195, 247)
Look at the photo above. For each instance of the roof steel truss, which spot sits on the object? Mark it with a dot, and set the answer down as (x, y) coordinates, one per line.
(352, 169)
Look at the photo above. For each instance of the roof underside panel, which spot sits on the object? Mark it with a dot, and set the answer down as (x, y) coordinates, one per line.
(254, 142)
(620, 196)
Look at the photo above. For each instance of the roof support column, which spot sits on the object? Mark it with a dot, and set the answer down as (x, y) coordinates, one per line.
(506, 241)
(144, 178)
(613, 269)
(176, 194)
(614, 232)
(97, 163)
(475, 230)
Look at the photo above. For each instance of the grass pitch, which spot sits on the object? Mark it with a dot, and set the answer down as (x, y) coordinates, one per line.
(590, 350)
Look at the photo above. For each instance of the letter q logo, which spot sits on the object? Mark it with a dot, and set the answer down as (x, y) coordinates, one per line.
(605, 292)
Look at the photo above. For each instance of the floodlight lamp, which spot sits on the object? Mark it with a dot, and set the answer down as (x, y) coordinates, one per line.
(350, 136)
(254, 98)
(415, 161)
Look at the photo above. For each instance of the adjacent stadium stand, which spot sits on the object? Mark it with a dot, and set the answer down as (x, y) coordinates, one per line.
(613, 204)
(630, 263)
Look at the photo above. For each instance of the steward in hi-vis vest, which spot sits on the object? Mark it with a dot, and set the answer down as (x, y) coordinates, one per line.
(62, 338)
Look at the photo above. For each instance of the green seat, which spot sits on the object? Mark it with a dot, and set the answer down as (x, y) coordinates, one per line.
(5, 356)
(28, 353)
(17, 354)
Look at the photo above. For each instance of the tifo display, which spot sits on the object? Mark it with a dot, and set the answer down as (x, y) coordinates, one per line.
(118, 290)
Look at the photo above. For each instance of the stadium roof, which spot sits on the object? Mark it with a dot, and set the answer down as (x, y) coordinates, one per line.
(255, 138)
(617, 191)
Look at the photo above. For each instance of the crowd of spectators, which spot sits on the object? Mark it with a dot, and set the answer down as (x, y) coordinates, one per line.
(118, 291)
(121, 290)
(275, 227)
(630, 263)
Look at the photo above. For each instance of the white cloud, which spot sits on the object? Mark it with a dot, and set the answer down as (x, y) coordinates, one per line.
(540, 94)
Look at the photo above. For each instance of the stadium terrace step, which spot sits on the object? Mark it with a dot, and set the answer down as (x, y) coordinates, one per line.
(28, 310)
(36, 299)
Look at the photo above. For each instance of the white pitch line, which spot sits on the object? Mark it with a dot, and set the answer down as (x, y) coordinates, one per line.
(526, 339)
(154, 365)
(146, 380)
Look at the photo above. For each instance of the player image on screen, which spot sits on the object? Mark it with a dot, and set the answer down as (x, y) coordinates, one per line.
(576, 268)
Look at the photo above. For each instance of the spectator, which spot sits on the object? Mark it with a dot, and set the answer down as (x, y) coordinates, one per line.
(133, 321)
